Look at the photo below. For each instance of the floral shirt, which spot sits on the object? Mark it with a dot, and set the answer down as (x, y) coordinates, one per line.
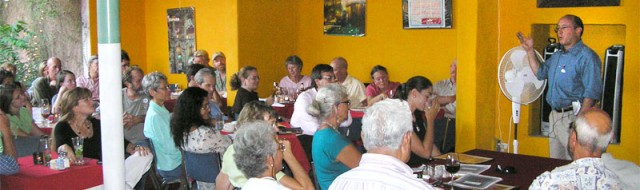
(584, 173)
(206, 140)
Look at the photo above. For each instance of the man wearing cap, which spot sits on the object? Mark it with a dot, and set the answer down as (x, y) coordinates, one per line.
(201, 57)
(220, 64)
(355, 88)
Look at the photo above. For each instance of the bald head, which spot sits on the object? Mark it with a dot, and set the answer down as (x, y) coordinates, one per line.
(593, 130)
(339, 65)
(53, 67)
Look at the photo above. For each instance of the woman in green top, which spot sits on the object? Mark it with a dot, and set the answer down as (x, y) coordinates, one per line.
(21, 122)
(8, 164)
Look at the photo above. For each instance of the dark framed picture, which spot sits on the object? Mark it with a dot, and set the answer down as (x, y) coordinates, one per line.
(577, 3)
(345, 18)
(182, 38)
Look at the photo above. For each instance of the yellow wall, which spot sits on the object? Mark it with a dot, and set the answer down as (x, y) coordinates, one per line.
(266, 31)
(405, 53)
(518, 16)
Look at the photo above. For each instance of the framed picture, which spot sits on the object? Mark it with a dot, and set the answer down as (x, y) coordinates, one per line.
(577, 3)
(182, 38)
(426, 14)
(344, 17)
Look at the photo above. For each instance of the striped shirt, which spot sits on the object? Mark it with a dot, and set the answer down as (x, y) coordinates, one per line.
(379, 171)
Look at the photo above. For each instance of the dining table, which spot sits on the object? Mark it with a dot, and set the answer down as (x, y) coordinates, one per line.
(527, 167)
(32, 176)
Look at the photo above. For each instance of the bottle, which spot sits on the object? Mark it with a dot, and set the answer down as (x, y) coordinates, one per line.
(277, 92)
(60, 165)
(46, 150)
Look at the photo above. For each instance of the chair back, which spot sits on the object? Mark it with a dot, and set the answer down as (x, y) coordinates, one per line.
(202, 167)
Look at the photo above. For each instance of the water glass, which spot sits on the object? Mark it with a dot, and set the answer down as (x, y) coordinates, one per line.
(78, 146)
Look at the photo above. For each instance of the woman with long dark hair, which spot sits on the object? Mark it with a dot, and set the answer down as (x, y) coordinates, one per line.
(191, 129)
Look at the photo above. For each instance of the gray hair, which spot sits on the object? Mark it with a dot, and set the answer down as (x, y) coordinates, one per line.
(385, 123)
(254, 143)
(205, 72)
(152, 81)
(327, 97)
(588, 134)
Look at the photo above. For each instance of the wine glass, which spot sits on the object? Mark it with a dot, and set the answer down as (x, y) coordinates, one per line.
(452, 165)
(45, 111)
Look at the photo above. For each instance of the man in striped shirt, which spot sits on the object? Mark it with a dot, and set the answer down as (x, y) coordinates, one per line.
(386, 133)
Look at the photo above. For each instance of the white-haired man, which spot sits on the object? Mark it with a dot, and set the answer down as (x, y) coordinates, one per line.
(205, 78)
(588, 138)
(386, 133)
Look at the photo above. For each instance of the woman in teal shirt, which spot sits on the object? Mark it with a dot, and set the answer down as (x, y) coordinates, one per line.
(332, 153)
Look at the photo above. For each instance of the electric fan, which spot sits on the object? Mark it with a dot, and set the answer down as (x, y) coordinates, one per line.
(518, 83)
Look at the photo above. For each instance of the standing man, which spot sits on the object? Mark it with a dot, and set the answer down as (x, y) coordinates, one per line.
(355, 88)
(573, 74)
(445, 128)
(135, 104)
(588, 140)
(45, 86)
(386, 134)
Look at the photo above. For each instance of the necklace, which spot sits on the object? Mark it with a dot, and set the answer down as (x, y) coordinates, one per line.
(83, 129)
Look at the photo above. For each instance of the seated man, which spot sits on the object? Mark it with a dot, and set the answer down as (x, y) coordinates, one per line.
(205, 78)
(589, 137)
(355, 88)
(92, 80)
(135, 104)
(191, 73)
(445, 128)
(44, 87)
(321, 75)
(386, 133)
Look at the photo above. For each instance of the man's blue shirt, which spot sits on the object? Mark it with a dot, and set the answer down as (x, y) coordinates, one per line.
(572, 75)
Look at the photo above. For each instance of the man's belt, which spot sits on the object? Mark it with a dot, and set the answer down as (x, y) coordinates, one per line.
(565, 109)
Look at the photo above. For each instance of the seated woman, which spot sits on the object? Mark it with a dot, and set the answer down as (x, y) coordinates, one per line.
(332, 153)
(246, 81)
(21, 122)
(259, 156)
(157, 128)
(8, 163)
(381, 87)
(67, 81)
(230, 175)
(295, 80)
(76, 121)
(192, 130)
(416, 92)
(6, 77)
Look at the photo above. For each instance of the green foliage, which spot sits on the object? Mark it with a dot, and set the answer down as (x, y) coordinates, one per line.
(15, 48)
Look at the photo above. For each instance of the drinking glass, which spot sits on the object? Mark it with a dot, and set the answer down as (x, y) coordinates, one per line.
(45, 111)
(78, 143)
(452, 164)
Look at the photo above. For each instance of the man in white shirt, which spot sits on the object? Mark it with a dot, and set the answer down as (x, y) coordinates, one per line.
(355, 88)
(445, 127)
(386, 133)
(321, 75)
(589, 137)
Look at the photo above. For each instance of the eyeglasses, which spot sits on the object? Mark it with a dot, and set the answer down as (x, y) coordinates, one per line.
(561, 28)
(329, 77)
(348, 102)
